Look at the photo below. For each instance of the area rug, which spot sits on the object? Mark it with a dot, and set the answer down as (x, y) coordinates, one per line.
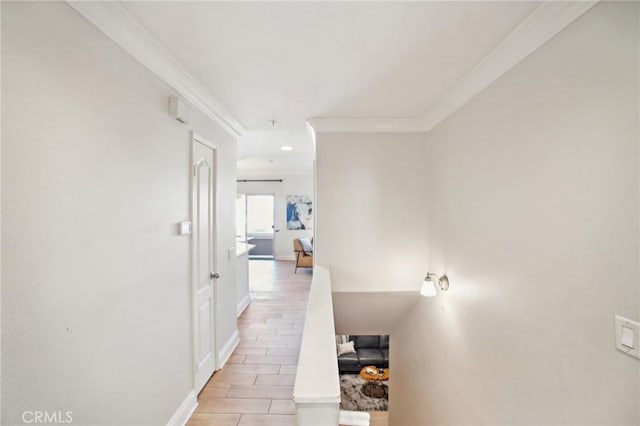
(353, 399)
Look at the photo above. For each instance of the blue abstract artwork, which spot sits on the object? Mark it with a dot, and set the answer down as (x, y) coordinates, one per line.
(299, 212)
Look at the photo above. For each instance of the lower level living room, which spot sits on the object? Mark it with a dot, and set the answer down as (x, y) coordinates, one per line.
(363, 365)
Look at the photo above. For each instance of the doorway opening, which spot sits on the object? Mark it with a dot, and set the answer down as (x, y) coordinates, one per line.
(255, 224)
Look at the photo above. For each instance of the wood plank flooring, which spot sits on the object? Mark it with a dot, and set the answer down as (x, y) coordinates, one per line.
(255, 387)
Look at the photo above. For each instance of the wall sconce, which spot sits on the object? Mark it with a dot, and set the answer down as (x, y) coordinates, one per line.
(428, 286)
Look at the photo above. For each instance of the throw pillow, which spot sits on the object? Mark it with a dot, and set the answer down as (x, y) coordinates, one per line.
(342, 338)
(346, 348)
(306, 245)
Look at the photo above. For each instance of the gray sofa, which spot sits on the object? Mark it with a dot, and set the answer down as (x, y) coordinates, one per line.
(370, 350)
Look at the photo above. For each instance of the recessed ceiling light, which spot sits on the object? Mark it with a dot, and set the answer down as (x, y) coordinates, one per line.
(286, 148)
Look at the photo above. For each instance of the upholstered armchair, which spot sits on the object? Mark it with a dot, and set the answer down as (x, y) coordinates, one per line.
(304, 253)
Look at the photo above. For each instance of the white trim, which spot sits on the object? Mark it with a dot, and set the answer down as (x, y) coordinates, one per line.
(541, 25)
(365, 125)
(546, 21)
(227, 349)
(328, 400)
(242, 305)
(196, 138)
(312, 136)
(113, 19)
(200, 139)
(272, 173)
(286, 258)
(184, 411)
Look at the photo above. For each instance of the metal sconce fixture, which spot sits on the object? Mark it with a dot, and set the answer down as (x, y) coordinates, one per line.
(428, 286)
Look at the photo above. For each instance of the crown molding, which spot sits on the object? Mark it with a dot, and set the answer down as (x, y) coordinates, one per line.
(545, 21)
(311, 133)
(541, 25)
(365, 125)
(113, 19)
(244, 174)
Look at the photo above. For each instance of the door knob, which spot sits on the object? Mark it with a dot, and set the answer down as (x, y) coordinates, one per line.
(215, 275)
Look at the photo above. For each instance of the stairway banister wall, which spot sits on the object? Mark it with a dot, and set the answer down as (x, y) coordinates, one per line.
(317, 388)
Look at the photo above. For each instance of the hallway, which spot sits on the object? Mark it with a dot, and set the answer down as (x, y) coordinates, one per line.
(496, 143)
(255, 387)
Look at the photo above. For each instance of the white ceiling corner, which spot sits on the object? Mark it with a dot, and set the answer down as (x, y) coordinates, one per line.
(546, 21)
(375, 74)
(373, 125)
(113, 19)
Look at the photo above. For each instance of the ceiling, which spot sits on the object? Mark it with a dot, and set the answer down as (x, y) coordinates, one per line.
(290, 61)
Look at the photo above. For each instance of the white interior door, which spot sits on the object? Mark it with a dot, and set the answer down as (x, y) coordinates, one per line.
(203, 273)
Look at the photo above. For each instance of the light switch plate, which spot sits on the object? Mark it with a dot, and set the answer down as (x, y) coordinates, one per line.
(185, 228)
(231, 251)
(627, 336)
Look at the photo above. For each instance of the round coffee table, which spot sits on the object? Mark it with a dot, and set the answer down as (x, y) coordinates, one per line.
(374, 387)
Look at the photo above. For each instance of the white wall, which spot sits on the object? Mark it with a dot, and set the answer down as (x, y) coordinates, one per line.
(290, 185)
(534, 216)
(96, 298)
(371, 210)
(243, 295)
(317, 396)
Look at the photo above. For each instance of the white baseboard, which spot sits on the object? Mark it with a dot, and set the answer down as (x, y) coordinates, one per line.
(227, 349)
(242, 305)
(184, 411)
(288, 257)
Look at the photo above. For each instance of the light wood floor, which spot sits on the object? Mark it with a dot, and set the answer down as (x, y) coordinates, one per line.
(379, 418)
(255, 387)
